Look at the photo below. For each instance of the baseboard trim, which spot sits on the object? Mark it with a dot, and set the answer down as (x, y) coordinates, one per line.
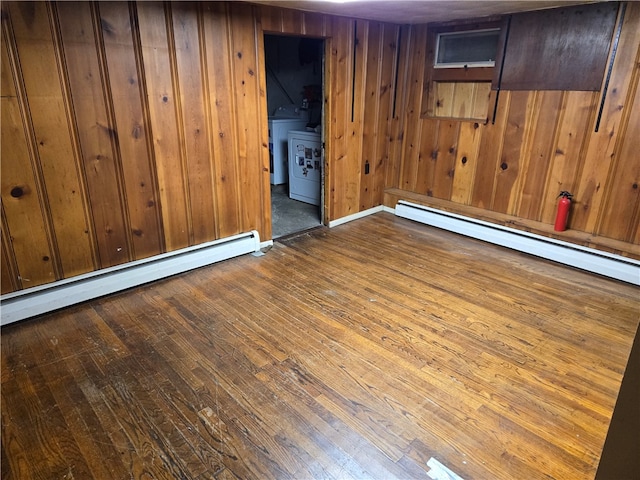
(355, 216)
(64, 293)
(595, 261)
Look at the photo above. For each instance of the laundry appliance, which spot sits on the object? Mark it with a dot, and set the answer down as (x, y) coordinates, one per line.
(285, 118)
(305, 166)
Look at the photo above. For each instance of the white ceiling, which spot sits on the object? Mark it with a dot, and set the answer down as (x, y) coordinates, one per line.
(419, 11)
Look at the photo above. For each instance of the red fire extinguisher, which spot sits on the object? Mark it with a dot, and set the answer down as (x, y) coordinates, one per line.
(563, 211)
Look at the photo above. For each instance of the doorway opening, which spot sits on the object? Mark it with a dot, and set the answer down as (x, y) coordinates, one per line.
(294, 67)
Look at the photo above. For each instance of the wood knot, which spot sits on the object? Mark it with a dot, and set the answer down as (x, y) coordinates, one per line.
(17, 192)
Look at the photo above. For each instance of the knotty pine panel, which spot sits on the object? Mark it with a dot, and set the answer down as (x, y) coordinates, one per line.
(24, 224)
(403, 46)
(380, 67)
(339, 94)
(96, 131)
(163, 103)
(467, 159)
(443, 158)
(578, 114)
(188, 35)
(538, 144)
(8, 270)
(53, 146)
(250, 102)
(221, 108)
(510, 165)
(125, 91)
(385, 99)
(537, 156)
(621, 215)
(410, 112)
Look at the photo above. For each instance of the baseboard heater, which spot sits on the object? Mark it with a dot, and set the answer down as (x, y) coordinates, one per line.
(46, 298)
(595, 261)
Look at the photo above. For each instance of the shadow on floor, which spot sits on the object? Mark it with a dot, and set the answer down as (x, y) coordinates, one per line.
(291, 216)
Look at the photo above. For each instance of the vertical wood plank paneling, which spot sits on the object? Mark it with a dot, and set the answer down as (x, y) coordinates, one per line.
(57, 158)
(443, 94)
(314, 24)
(445, 158)
(160, 82)
(339, 95)
(388, 54)
(411, 147)
(270, 18)
(252, 169)
(467, 160)
(621, 214)
(427, 154)
(463, 100)
(24, 226)
(292, 21)
(403, 44)
(188, 35)
(577, 114)
(370, 115)
(481, 96)
(512, 151)
(9, 276)
(538, 157)
(490, 153)
(140, 197)
(593, 182)
(221, 111)
(352, 168)
(96, 134)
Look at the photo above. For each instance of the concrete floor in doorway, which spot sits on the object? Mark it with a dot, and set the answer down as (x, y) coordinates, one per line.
(291, 216)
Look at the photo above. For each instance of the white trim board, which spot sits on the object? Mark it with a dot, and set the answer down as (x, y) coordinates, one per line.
(64, 293)
(355, 216)
(589, 259)
(362, 214)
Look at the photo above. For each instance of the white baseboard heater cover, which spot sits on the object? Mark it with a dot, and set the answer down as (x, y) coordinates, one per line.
(46, 298)
(595, 261)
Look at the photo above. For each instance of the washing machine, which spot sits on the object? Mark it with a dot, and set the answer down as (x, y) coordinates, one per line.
(305, 166)
(284, 119)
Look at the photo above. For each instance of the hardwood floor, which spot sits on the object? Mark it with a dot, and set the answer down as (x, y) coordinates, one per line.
(356, 352)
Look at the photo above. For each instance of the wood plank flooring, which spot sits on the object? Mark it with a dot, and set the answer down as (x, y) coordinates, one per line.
(356, 352)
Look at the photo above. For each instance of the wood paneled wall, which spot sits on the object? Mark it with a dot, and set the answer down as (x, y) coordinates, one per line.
(132, 129)
(128, 130)
(542, 142)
